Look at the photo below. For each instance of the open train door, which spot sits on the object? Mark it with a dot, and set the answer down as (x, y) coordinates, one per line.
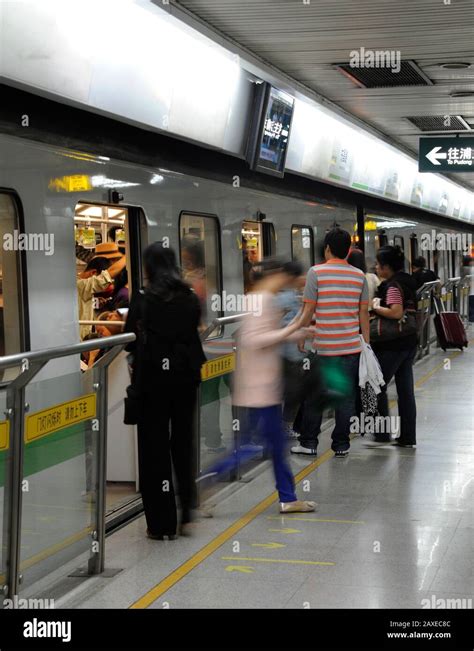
(258, 243)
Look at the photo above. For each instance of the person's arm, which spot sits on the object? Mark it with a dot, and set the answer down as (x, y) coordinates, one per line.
(394, 301)
(310, 297)
(364, 312)
(117, 267)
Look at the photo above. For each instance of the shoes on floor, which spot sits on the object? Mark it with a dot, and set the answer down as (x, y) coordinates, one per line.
(299, 506)
(399, 444)
(300, 449)
(374, 442)
(204, 512)
(341, 454)
(290, 432)
(161, 536)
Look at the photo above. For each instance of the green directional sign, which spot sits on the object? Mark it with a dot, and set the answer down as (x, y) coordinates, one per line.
(446, 154)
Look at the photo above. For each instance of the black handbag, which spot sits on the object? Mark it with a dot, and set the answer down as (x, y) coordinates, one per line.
(383, 329)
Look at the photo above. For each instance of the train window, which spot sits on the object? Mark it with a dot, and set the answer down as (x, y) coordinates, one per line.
(10, 280)
(201, 260)
(302, 245)
(399, 241)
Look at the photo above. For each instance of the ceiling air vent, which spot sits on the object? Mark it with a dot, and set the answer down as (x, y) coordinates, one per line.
(373, 69)
(438, 123)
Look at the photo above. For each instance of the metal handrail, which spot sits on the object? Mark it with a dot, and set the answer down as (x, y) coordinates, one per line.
(430, 285)
(65, 351)
(120, 324)
(223, 320)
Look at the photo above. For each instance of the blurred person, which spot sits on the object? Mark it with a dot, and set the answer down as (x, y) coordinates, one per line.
(194, 272)
(336, 293)
(420, 273)
(396, 294)
(357, 259)
(167, 369)
(289, 301)
(98, 275)
(257, 391)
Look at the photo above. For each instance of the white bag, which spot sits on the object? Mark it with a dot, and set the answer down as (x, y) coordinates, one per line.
(369, 368)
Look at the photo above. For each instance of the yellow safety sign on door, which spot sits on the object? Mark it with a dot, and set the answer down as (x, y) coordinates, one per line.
(55, 418)
(218, 366)
(4, 435)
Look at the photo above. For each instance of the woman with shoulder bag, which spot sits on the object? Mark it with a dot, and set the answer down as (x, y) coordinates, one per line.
(166, 373)
(394, 339)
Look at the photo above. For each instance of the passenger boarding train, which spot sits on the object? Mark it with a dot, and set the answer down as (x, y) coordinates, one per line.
(78, 194)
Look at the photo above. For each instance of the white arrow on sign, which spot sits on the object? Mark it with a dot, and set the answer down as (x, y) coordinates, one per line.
(433, 156)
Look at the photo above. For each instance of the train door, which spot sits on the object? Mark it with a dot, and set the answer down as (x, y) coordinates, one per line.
(111, 238)
(258, 243)
(302, 245)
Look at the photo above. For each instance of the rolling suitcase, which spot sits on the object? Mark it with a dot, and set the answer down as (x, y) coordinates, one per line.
(449, 327)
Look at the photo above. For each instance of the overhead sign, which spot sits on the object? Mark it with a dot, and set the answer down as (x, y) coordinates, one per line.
(446, 154)
(57, 417)
(270, 130)
(218, 366)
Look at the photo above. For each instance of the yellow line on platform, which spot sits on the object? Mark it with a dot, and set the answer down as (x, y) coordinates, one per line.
(274, 560)
(276, 517)
(169, 581)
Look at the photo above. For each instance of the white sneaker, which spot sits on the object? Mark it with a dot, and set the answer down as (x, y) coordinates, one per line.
(297, 507)
(299, 449)
(289, 431)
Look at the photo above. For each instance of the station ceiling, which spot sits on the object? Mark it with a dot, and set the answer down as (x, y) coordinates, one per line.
(305, 41)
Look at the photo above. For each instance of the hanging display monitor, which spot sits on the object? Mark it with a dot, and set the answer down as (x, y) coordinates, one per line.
(270, 130)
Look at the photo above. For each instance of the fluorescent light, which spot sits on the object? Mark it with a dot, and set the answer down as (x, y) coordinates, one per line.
(156, 178)
(101, 181)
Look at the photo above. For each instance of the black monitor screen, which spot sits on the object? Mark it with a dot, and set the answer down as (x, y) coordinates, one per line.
(271, 138)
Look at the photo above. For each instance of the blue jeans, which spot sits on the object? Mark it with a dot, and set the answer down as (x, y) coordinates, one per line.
(399, 363)
(312, 417)
(267, 422)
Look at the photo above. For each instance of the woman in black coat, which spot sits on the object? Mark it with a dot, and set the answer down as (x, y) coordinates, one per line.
(167, 360)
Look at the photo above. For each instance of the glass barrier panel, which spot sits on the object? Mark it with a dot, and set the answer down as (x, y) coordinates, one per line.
(59, 473)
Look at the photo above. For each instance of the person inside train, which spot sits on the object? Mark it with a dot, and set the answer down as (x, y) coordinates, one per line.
(336, 293)
(257, 386)
(89, 358)
(395, 295)
(289, 302)
(421, 273)
(168, 356)
(97, 276)
(120, 295)
(357, 259)
(113, 321)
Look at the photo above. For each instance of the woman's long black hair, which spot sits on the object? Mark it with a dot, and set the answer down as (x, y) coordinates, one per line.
(162, 272)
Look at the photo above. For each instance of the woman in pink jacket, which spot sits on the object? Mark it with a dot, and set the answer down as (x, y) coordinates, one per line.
(258, 378)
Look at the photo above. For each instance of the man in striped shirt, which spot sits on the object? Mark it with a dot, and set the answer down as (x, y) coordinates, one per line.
(336, 294)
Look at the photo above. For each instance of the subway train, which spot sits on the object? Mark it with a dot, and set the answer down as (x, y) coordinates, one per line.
(58, 197)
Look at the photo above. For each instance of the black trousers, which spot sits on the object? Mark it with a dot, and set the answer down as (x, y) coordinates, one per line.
(165, 442)
(400, 365)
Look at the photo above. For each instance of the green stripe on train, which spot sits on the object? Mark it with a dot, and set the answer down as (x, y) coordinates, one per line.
(50, 450)
(69, 442)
